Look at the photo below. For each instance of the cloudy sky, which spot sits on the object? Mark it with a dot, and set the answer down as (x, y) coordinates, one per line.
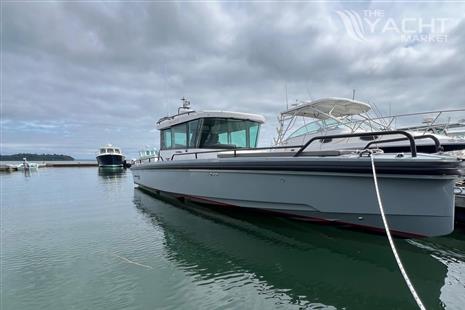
(78, 75)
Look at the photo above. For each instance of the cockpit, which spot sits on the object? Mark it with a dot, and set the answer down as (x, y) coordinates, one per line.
(211, 133)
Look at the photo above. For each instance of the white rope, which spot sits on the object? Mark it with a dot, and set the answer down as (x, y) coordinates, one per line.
(131, 262)
(391, 242)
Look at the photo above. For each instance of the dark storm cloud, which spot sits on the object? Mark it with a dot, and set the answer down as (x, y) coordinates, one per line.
(77, 75)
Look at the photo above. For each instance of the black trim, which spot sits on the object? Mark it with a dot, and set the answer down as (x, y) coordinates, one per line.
(369, 138)
(423, 148)
(405, 167)
(407, 135)
(437, 144)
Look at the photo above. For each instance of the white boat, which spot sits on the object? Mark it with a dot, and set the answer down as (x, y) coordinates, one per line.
(330, 116)
(212, 157)
(25, 165)
(32, 166)
(431, 125)
(148, 154)
(110, 156)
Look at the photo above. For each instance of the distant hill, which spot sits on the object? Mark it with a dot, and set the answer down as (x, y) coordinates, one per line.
(36, 157)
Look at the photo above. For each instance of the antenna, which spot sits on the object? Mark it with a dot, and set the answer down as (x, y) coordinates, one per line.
(353, 94)
(308, 91)
(185, 104)
(285, 90)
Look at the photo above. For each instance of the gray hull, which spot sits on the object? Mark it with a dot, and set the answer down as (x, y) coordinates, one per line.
(414, 205)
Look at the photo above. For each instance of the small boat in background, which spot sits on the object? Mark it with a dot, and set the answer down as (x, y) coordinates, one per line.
(147, 155)
(110, 156)
(25, 165)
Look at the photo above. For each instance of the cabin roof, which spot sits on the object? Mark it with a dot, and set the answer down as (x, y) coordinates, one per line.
(170, 121)
(110, 146)
(325, 107)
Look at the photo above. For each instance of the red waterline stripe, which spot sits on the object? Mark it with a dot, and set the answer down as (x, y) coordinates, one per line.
(292, 216)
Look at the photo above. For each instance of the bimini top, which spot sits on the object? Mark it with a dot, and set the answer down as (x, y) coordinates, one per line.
(328, 107)
(190, 115)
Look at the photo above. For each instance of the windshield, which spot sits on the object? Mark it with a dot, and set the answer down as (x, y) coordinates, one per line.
(228, 133)
(331, 124)
(211, 133)
(314, 127)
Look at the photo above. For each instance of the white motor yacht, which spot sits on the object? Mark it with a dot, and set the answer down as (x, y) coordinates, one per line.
(147, 154)
(329, 116)
(110, 156)
(25, 165)
(212, 157)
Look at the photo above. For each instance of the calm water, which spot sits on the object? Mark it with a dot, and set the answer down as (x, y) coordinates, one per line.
(79, 238)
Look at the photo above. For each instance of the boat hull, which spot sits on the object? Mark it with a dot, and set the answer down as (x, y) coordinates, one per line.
(110, 160)
(460, 208)
(414, 205)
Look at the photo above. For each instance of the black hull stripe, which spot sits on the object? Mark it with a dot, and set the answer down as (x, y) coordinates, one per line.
(430, 149)
(404, 168)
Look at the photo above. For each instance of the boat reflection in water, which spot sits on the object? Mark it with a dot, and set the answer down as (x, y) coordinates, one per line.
(111, 173)
(296, 263)
(112, 176)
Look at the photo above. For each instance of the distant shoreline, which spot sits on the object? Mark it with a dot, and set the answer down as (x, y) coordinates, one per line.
(36, 157)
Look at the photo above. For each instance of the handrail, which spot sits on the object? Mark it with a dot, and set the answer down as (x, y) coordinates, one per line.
(235, 150)
(166, 118)
(437, 143)
(413, 147)
(140, 160)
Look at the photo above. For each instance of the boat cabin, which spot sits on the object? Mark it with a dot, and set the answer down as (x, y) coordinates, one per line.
(110, 150)
(195, 132)
(148, 153)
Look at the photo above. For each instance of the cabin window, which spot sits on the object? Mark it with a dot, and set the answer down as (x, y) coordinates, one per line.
(179, 133)
(102, 151)
(166, 139)
(253, 133)
(211, 133)
(193, 132)
(239, 138)
(180, 136)
(116, 151)
(228, 133)
(307, 129)
(110, 150)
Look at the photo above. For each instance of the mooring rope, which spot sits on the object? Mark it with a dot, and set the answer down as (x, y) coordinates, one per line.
(391, 241)
(130, 261)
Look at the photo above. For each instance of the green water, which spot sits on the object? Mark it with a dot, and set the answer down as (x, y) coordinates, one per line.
(80, 238)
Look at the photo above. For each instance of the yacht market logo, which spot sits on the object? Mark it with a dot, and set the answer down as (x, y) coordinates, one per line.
(363, 26)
